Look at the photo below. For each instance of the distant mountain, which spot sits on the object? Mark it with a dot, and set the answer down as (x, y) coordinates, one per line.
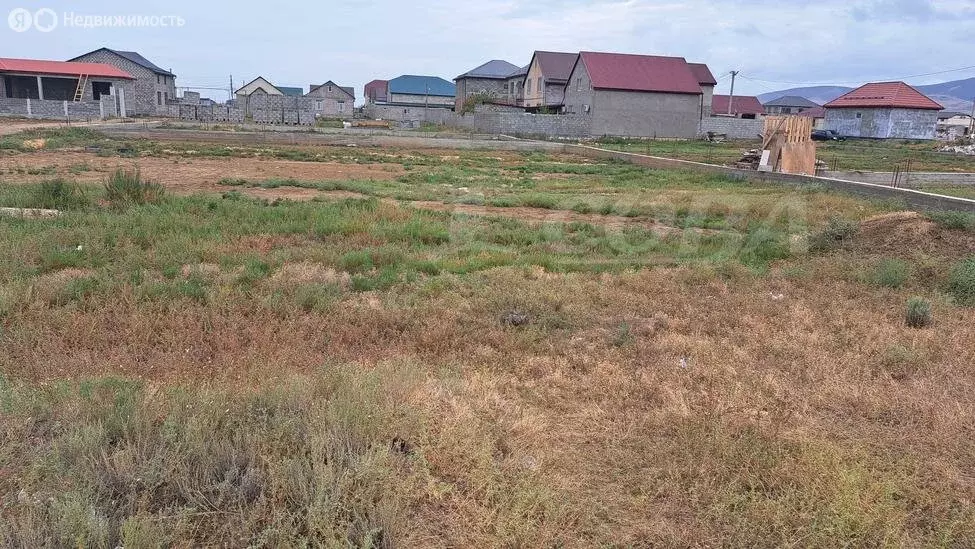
(954, 96)
(962, 89)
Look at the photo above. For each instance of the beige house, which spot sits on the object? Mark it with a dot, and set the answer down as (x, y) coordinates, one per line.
(257, 85)
(548, 73)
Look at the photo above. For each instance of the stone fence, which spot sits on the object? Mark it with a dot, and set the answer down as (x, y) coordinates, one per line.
(733, 128)
(258, 108)
(47, 109)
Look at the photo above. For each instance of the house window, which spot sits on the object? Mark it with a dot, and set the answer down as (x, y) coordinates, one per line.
(341, 106)
(539, 84)
(166, 96)
(319, 105)
(579, 84)
(528, 87)
(859, 115)
(158, 98)
(158, 79)
(330, 89)
(505, 86)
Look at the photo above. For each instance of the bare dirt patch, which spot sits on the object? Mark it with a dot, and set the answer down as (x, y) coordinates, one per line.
(910, 233)
(189, 175)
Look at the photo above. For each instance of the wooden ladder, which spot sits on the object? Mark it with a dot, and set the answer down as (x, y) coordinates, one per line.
(79, 93)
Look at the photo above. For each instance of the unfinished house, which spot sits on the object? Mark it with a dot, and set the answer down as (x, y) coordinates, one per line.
(152, 87)
(635, 95)
(62, 90)
(739, 106)
(883, 110)
(546, 79)
(515, 84)
(707, 82)
(488, 80)
(332, 100)
(376, 91)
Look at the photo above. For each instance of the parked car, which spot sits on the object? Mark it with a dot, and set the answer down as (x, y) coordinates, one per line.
(827, 135)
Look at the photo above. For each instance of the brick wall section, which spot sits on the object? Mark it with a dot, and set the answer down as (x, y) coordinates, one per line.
(421, 100)
(883, 123)
(734, 128)
(60, 110)
(141, 98)
(467, 87)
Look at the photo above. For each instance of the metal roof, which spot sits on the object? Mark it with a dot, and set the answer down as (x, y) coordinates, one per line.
(741, 104)
(792, 101)
(62, 68)
(134, 57)
(703, 74)
(291, 91)
(496, 68)
(648, 73)
(421, 85)
(555, 65)
(813, 112)
(884, 95)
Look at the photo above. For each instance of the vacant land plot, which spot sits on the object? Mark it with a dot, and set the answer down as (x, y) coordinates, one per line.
(853, 154)
(473, 349)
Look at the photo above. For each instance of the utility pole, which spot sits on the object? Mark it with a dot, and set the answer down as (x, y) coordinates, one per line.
(230, 92)
(731, 96)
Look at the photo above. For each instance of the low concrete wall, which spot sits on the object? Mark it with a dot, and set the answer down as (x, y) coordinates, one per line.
(342, 138)
(913, 199)
(913, 179)
(44, 109)
(734, 128)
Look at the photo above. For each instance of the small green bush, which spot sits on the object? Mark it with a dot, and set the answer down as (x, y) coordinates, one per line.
(836, 231)
(126, 187)
(918, 312)
(961, 282)
(954, 220)
(58, 194)
(890, 273)
(763, 245)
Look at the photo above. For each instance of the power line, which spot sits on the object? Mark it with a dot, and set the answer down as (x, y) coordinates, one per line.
(855, 81)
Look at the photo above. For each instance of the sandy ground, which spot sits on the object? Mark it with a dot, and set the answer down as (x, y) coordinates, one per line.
(185, 175)
(195, 175)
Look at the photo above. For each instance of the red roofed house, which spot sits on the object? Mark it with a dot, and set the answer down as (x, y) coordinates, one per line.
(742, 106)
(635, 95)
(883, 110)
(50, 83)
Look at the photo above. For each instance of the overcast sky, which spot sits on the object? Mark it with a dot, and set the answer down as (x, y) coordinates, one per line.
(351, 42)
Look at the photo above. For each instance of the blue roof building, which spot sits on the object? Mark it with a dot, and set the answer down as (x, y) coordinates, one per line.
(409, 84)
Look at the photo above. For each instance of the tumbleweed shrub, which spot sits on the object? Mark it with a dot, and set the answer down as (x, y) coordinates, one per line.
(836, 231)
(889, 273)
(918, 312)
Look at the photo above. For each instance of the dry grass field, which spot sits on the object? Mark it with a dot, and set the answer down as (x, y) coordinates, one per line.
(367, 347)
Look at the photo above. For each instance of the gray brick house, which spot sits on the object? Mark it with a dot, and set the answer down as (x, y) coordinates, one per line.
(332, 100)
(152, 88)
(635, 95)
(490, 79)
(883, 110)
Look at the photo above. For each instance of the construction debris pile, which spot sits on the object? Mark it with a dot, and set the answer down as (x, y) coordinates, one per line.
(959, 149)
(749, 159)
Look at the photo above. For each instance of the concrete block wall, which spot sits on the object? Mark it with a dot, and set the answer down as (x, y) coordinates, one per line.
(60, 110)
(883, 123)
(734, 128)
